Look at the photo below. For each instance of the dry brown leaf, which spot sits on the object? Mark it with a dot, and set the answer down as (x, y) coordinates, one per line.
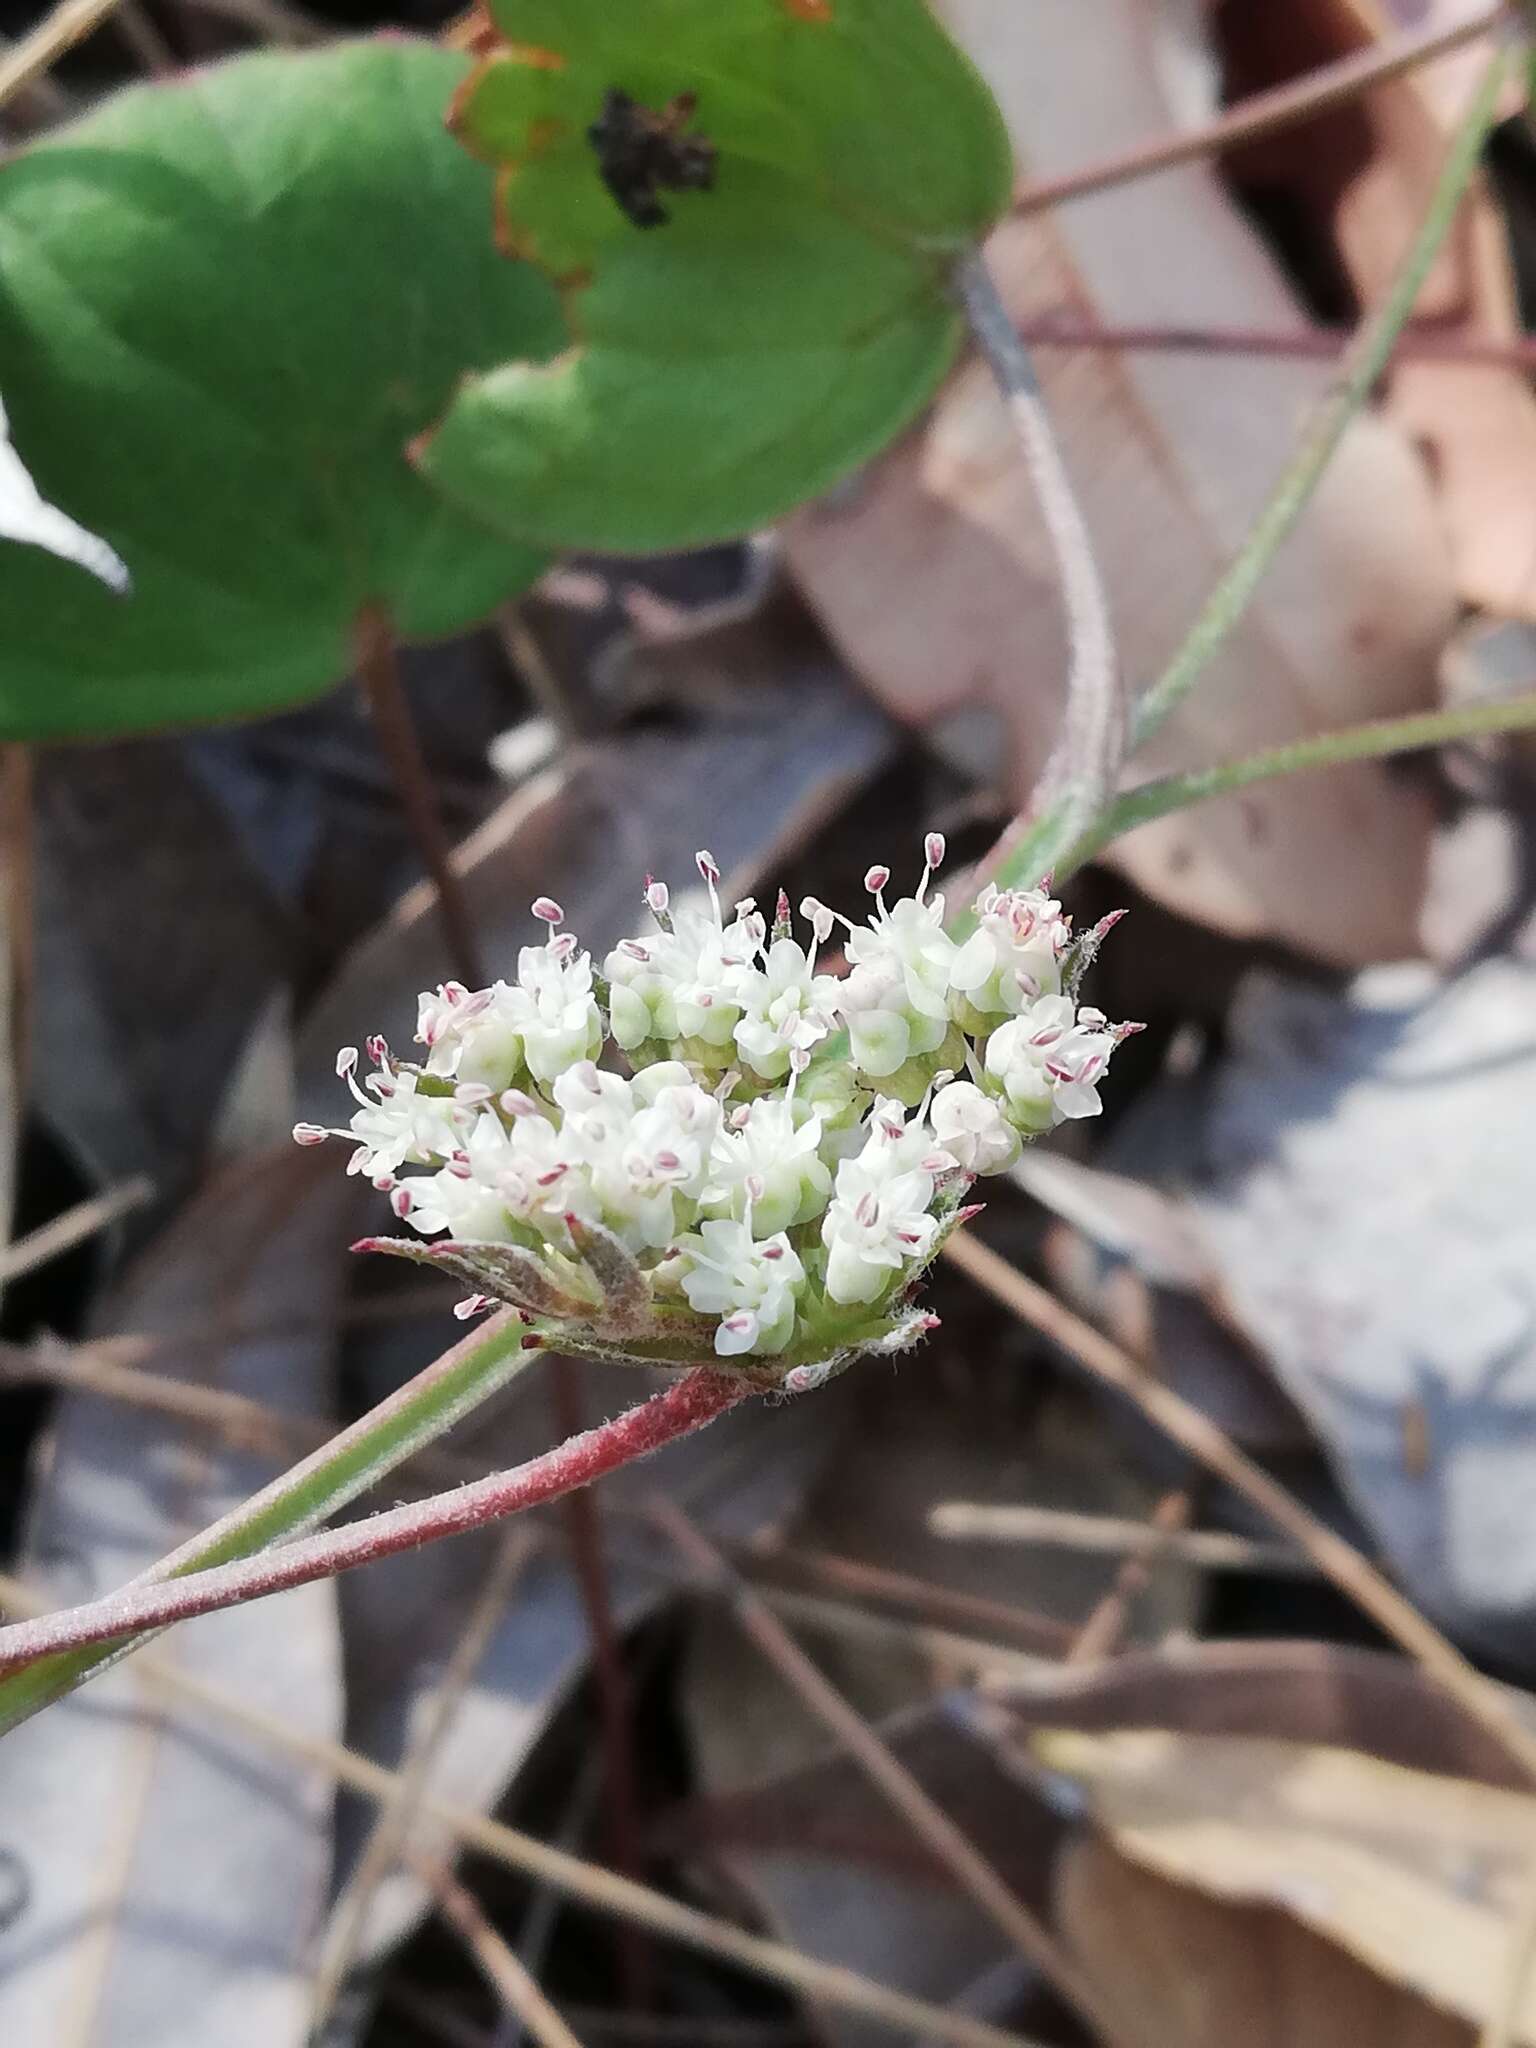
(934, 578)
(1366, 172)
(1196, 1972)
(1418, 1876)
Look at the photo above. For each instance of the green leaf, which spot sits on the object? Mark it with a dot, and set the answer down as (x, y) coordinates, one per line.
(774, 330)
(226, 305)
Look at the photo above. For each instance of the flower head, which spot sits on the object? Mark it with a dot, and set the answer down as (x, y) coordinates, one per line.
(1049, 1059)
(1014, 954)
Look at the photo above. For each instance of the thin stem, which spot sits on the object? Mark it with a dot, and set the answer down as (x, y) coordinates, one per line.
(1362, 365)
(1085, 767)
(1264, 113)
(947, 1843)
(1375, 740)
(1106, 1623)
(500, 1967)
(1352, 1573)
(391, 1830)
(620, 1803)
(1113, 1535)
(378, 672)
(1291, 344)
(600, 1891)
(76, 1226)
(341, 1469)
(688, 1404)
(68, 24)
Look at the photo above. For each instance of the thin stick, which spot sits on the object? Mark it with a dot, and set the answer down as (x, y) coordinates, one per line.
(620, 1803)
(68, 24)
(1361, 366)
(856, 1578)
(1305, 344)
(946, 1842)
(1105, 1625)
(1085, 767)
(1264, 113)
(18, 861)
(378, 673)
(1060, 1529)
(1355, 1577)
(74, 1227)
(602, 1891)
(688, 1404)
(502, 1970)
(392, 1823)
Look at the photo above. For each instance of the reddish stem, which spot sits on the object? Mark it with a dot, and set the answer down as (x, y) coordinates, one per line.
(688, 1404)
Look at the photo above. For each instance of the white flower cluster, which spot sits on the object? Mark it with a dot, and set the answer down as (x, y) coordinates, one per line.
(752, 1178)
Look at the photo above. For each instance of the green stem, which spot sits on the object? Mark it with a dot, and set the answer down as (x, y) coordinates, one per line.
(1029, 848)
(1360, 371)
(1375, 741)
(311, 1491)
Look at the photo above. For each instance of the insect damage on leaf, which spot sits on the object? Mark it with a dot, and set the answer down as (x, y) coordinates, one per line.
(640, 151)
(782, 328)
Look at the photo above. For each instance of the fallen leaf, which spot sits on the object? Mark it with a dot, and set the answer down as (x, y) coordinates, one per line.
(174, 1876)
(1203, 1973)
(1420, 1877)
(1364, 174)
(933, 577)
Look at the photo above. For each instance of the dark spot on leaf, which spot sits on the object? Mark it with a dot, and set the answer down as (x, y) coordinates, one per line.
(641, 152)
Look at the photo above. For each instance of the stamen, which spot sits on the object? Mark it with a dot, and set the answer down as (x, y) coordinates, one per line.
(310, 1134)
(547, 910)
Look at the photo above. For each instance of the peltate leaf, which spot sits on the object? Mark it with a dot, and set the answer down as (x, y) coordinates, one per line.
(226, 306)
(753, 209)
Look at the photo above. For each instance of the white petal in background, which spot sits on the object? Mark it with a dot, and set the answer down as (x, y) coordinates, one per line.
(27, 516)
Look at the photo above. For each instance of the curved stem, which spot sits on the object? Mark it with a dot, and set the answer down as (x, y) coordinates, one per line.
(1081, 775)
(1373, 741)
(688, 1404)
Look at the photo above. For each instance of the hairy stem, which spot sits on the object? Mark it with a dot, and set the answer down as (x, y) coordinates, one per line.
(688, 1404)
(312, 1490)
(1373, 741)
(1082, 773)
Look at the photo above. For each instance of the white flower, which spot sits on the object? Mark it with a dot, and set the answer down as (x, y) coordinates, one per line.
(1049, 1060)
(895, 1001)
(395, 1123)
(684, 981)
(764, 1165)
(786, 1007)
(751, 1283)
(545, 1020)
(970, 1126)
(644, 1162)
(473, 1196)
(1014, 954)
(879, 1220)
